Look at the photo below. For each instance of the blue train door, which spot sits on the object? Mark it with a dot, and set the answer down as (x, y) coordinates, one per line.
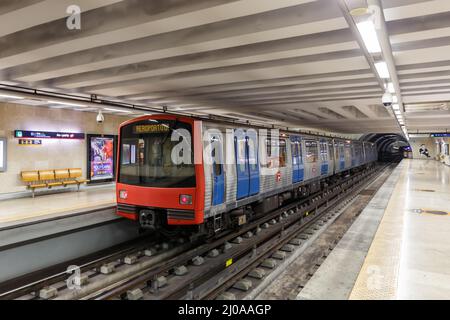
(341, 156)
(297, 161)
(323, 157)
(218, 195)
(353, 155)
(242, 165)
(252, 152)
(301, 166)
(294, 151)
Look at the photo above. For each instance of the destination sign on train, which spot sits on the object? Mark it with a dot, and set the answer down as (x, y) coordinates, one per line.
(151, 128)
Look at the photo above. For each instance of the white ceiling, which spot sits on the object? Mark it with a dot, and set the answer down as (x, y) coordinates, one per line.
(290, 62)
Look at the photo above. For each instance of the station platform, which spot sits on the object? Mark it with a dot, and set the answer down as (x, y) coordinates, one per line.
(17, 211)
(398, 247)
(36, 233)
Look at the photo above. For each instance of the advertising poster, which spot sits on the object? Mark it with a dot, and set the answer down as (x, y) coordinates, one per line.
(101, 158)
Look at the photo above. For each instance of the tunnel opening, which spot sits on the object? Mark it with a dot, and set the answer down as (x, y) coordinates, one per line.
(391, 147)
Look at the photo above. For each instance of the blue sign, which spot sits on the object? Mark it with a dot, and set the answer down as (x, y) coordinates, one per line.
(48, 135)
(440, 135)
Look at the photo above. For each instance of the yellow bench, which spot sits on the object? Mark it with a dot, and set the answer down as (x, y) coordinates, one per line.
(52, 178)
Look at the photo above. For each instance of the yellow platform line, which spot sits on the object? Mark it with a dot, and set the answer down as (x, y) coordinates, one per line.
(378, 277)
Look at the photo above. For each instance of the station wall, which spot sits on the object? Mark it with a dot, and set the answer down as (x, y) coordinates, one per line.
(52, 154)
(430, 143)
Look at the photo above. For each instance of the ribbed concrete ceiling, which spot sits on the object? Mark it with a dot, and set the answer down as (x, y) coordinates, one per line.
(291, 62)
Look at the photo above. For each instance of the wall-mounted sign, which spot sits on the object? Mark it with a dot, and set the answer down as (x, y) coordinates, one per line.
(440, 135)
(3, 148)
(48, 135)
(30, 142)
(101, 155)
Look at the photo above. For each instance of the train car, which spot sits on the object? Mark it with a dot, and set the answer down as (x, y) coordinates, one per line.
(182, 173)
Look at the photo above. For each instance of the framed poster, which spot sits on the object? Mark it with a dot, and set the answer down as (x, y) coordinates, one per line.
(3, 149)
(101, 158)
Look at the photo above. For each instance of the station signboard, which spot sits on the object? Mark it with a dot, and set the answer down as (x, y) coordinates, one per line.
(440, 135)
(25, 134)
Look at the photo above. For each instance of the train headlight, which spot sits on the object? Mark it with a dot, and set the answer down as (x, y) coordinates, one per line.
(123, 194)
(185, 199)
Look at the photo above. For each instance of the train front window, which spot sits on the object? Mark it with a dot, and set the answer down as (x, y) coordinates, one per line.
(157, 153)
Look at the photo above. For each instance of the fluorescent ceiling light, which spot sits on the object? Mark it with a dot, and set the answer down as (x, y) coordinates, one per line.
(369, 36)
(117, 110)
(66, 103)
(10, 96)
(397, 112)
(390, 87)
(394, 99)
(395, 107)
(382, 69)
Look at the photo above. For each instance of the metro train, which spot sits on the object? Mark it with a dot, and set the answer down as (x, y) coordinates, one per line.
(187, 174)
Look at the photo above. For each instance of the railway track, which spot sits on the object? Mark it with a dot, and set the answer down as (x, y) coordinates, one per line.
(207, 271)
(181, 270)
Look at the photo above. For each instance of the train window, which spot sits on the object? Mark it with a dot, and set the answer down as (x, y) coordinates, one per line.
(252, 154)
(330, 150)
(268, 147)
(150, 157)
(323, 151)
(348, 151)
(272, 153)
(217, 166)
(242, 154)
(311, 151)
(300, 152)
(282, 153)
(341, 150)
(126, 153)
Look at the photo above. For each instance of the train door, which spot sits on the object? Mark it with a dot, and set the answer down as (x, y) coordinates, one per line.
(365, 155)
(218, 185)
(253, 163)
(301, 165)
(354, 155)
(323, 157)
(297, 160)
(312, 158)
(330, 157)
(242, 165)
(341, 156)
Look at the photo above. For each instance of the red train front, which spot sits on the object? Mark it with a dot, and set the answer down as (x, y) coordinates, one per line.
(158, 183)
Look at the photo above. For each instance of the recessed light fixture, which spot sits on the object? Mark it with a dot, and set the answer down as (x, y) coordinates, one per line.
(397, 112)
(66, 103)
(394, 99)
(395, 106)
(10, 96)
(369, 36)
(390, 87)
(382, 69)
